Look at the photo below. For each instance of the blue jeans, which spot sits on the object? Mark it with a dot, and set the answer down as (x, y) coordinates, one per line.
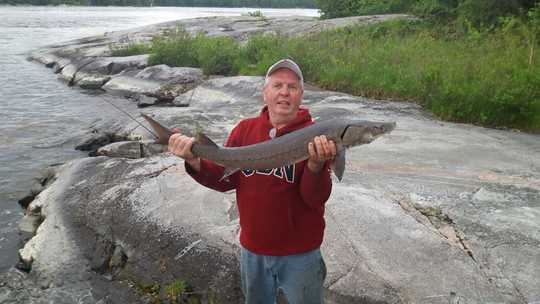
(299, 276)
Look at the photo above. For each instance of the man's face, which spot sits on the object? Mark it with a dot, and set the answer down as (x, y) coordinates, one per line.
(283, 95)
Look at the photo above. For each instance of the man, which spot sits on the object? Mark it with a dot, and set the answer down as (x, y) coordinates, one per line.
(281, 209)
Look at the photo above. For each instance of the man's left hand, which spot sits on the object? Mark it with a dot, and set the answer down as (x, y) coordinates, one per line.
(320, 150)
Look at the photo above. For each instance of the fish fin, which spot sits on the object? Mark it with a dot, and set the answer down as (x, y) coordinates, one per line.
(202, 139)
(163, 133)
(228, 172)
(338, 165)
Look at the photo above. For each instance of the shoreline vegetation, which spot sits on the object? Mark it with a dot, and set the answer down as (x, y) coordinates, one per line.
(463, 69)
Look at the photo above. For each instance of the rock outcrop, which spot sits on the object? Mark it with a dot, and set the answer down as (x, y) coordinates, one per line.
(88, 62)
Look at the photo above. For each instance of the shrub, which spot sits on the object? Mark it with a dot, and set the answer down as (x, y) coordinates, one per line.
(174, 48)
(260, 52)
(218, 55)
(256, 13)
(130, 49)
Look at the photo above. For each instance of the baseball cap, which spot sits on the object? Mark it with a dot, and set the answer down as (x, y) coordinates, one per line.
(286, 64)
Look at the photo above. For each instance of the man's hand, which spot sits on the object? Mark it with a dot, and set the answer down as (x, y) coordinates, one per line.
(180, 145)
(320, 150)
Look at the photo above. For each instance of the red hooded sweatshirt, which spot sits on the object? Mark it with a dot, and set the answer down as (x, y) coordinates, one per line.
(282, 209)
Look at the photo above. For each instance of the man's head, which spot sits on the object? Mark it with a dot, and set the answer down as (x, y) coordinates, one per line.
(283, 91)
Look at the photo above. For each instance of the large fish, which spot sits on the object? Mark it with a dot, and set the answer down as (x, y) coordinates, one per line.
(284, 150)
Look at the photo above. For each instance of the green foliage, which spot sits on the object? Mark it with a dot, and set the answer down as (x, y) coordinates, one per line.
(335, 9)
(130, 49)
(174, 48)
(260, 52)
(344, 8)
(369, 7)
(257, 14)
(435, 10)
(217, 55)
(465, 14)
(151, 290)
(482, 13)
(534, 21)
(175, 290)
(484, 77)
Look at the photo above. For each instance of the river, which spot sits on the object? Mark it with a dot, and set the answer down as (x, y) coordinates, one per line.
(41, 117)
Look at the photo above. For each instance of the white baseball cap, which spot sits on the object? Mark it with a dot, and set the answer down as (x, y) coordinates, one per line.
(286, 64)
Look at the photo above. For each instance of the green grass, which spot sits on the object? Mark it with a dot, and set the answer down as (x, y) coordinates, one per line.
(130, 49)
(485, 80)
(489, 78)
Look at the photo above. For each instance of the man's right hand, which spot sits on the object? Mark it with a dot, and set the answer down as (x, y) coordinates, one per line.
(180, 145)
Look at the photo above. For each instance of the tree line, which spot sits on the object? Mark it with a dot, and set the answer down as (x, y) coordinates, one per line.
(189, 3)
(475, 12)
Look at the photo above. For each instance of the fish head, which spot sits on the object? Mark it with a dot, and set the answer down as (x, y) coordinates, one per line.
(358, 132)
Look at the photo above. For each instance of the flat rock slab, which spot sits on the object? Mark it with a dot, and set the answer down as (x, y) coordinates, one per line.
(127, 149)
(414, 220)
(175, 75)
(96, 72)
(130, 85)
(160, 82)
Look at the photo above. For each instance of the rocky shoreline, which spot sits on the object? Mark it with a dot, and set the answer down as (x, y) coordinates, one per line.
(433, 213)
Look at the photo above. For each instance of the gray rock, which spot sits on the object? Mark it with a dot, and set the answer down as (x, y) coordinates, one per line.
(166, 74)
(29, 224)
(115, 65)
(44, 57)
(69, 71)
(93, 142)
(130, 85)
(154, 82)
(182, 100)
(95, 73)
(127, 149)
(148, 253)
(151, 149)
(60, 64)
(89, 81)
(144, 101)
(118, 259)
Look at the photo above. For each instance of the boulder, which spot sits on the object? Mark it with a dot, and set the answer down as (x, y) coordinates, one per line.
(126, 85)
(95, 73)
(160, 82)
(168, 75)
(144, 101)
(91, 81)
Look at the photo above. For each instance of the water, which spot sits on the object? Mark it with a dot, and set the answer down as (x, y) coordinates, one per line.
(40, 117)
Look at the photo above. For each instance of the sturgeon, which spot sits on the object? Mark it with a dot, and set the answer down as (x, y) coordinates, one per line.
(284, 150)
